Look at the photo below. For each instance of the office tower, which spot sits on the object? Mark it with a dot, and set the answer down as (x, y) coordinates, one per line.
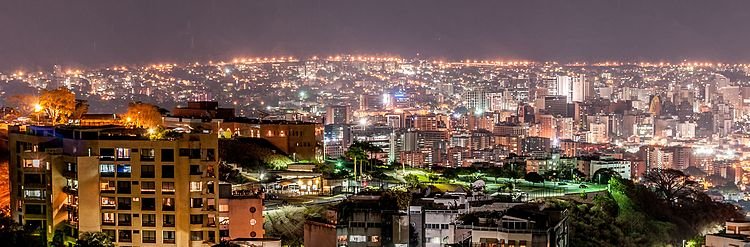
(475, 100)
(369, 102)
(582, 89)
(338, 114)
(140, 191)
(575, 88)
(556, 105)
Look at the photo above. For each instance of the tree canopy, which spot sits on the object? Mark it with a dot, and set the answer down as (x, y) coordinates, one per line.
(143, 115)
(671, 185)
(58, 104)
(533, 177)
(95, 239)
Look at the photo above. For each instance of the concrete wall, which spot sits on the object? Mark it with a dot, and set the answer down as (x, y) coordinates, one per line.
(319, 234)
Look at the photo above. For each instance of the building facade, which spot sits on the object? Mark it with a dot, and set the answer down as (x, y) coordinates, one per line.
(140, 191)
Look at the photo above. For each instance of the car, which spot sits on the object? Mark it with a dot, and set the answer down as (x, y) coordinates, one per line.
(583, 186)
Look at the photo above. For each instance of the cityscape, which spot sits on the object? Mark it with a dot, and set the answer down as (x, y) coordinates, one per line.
(316, 146)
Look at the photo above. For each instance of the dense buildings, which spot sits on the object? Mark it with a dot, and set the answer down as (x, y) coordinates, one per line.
(562, 122)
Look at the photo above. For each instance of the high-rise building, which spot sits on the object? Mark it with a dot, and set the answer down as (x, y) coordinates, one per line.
(575, 88)
(556, 105)
(338, 114)
(475, 100)
(140, 191)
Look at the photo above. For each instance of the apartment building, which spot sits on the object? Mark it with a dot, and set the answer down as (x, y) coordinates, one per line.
(139, 190)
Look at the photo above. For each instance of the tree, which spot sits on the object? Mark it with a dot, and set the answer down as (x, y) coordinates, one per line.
(495, 173)
(81, 108)
(602, 176)
(533, 177)
(433, 177)
(670, 184)
(13, 234)
(95, 239)
(142, 115)
(412, 180)
(58, 104)
(356, 153)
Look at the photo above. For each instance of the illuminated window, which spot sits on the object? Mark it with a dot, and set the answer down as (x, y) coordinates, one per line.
(196, 186)
(167, 204)
(357, 238)
(223, 208)
(107, 170)
(33, 194)
(32, 163)
(122, 153)
(108, 186)
(108, 218)
(167, 187)
(148, 187)
(123, 170)
(108, 201)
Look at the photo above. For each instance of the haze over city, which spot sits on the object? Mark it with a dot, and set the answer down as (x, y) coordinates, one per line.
(42, 33)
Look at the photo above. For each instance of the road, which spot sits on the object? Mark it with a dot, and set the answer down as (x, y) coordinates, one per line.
(303, 201)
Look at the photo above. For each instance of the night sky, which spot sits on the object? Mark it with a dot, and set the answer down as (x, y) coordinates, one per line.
(37, 34)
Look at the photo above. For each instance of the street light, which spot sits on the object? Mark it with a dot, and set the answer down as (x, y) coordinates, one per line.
(37, 109)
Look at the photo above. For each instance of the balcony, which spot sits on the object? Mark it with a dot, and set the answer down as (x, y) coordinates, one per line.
(70, 190)
(107, 158)
(71, 208)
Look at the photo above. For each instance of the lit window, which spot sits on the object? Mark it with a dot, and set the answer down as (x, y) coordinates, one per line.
(357, 238)
(108, 202)
(107, 168)
(196, 186)
(122, 153)
(32, 163)
(223, 220)
(108, 218)
(34, 194)
(167, 187)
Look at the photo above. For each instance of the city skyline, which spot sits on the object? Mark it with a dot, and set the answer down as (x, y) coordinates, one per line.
(424, 123)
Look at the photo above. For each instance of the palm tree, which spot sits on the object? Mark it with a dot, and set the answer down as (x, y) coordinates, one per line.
(355, 152)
